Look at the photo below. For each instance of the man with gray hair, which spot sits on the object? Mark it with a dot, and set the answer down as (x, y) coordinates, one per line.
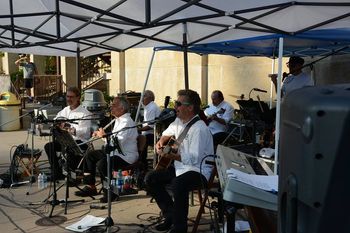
(124, 155)
(151, 112)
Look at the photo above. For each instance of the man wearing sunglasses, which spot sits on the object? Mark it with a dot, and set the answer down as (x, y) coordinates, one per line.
(188, 172)
(295, 79)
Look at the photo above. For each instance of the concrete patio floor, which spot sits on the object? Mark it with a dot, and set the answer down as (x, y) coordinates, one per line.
(23, 207)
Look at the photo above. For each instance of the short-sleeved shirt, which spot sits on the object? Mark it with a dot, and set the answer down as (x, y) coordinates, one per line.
(82, 127)
(127, 139)
(151, 111)
(227, 115)
(291, 83)
(28, 69)
(197, 144)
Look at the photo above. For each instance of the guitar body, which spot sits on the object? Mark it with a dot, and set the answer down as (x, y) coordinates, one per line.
(164, 162)
(221, 111)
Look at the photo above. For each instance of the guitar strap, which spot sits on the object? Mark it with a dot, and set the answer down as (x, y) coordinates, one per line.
(184, 132)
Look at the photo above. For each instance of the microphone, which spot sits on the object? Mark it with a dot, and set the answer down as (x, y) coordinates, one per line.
(205, 107)
(166, 116)
(260, 90)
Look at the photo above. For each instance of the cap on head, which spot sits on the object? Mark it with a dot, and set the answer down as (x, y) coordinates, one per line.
(296, 60)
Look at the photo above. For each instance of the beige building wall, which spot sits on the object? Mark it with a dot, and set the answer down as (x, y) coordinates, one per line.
(117, 82)
(8, 63)
(233, 76)
(68, 71)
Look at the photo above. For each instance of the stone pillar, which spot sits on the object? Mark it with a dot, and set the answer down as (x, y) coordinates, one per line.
(68, 71)
(8, 63)
(204, 79)
(117, 82)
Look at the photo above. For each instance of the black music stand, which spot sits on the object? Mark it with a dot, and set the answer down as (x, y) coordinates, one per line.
(69, 148)
(255, 112)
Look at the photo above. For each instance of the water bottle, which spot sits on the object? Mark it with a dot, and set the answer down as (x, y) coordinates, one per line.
(120, 181)
(40, 181)
(44, 180)
(114, 180)
(126, 184)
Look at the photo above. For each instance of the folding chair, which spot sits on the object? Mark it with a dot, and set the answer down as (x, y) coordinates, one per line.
(27, 161)
(203, 200)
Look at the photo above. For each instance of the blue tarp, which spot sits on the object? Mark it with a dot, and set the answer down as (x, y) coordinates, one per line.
(310, 43)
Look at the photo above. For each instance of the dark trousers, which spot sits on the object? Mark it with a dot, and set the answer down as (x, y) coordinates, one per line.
(98, 159)
(218, 138)
(72, 160)
(149, 142)
(157, 183)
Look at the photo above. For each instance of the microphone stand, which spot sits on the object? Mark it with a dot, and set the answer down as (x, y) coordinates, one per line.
(54, 200)
(109, 149)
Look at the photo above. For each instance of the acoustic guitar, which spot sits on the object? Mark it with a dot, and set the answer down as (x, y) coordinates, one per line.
(220, 111)
(171, 147)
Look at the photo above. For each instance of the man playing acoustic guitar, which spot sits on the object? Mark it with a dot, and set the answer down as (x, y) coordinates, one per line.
(219, 114)
(194, 143)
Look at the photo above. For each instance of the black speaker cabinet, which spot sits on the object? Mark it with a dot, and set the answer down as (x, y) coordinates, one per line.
(314, 177)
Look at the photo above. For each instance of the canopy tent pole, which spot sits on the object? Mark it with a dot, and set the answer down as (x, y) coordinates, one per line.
(78, 68)
(272, 87)
(278, 105)
(185, 53)
(144, 86)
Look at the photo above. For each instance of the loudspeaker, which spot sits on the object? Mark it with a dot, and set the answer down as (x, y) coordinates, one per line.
(314, 186)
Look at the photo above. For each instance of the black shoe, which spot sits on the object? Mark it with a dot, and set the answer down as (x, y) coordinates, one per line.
(166, 225)
(177, 231)
(104, 199)
(73, 183)
(86, 192)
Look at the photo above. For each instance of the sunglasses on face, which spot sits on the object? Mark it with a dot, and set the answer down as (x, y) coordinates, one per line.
(178, 103)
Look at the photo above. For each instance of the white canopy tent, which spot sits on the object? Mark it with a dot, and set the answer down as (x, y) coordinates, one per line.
(63, 27)
(54, 27)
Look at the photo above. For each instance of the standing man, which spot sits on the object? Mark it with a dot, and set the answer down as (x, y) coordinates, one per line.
(29, 70)
(188, 171)
(124, 155)
(219, 114)
(151, 112)
(79, 129)
(295, 79)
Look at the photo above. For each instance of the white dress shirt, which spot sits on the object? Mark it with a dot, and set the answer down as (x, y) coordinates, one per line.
(127, 138)
(82, 127)
(214, 126)
(291, 83)
(197, 144)
(151, 111)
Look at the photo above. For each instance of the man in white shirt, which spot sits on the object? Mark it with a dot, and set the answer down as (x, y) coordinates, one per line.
(219, 114)
(151, 112)
(295, 79)
(188, 172)
(79, 129)
(124, 155)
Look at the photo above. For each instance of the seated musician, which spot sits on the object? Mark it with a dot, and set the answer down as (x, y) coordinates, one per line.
(151, 111)
(219, 114)
(79, 129)
(122, 157)
(186, 173)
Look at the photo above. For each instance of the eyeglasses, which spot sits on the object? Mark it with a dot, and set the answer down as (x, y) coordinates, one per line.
(71, 96)
(178, 103)
(289, 64)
